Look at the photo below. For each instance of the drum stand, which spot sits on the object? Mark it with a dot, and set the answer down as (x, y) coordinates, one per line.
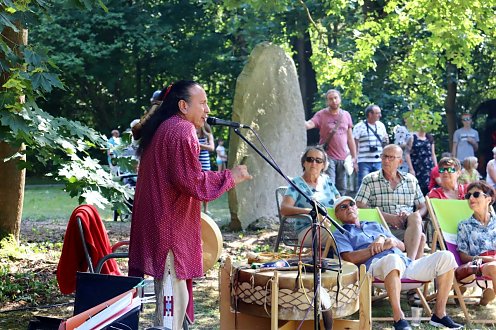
(317, 209)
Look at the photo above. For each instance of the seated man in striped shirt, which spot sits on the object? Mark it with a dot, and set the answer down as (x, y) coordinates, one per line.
(396, 194)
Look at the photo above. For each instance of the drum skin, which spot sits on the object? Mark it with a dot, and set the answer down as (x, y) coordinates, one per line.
(251, 292)
(211, 242)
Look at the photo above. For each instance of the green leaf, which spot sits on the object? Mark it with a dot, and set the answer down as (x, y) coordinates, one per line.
(6, 21)
(31, 57)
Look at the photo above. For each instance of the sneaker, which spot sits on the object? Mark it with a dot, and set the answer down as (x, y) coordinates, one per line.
(445, 322)
(487, 296)
(402, 324)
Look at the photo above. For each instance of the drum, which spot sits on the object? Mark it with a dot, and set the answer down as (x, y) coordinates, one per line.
(211, 241)
(251, 291)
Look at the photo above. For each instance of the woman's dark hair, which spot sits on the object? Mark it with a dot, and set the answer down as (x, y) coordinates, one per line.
(484, 187)
(318, 148)
(170, 97)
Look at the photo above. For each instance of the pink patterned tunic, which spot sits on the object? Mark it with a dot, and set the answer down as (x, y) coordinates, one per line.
(167, 202)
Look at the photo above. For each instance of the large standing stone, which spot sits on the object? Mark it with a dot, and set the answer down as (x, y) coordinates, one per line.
(267, 98)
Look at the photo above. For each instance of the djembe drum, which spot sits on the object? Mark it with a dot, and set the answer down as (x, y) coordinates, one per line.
(251, 291)
(211, 241)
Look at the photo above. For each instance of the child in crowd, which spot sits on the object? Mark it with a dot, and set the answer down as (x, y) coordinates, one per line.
(221, 155)
(469, 171)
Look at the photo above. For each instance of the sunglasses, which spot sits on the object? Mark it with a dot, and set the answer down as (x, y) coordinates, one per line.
(447, 169)
(476, 194)
(314, 159)
(466, 119)
(345, 206)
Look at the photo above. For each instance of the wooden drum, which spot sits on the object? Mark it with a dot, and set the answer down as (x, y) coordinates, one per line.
(211, 241)
(251, 292)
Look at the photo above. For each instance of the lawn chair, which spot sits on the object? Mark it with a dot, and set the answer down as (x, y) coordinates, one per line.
(85, 254)
(86, 247)
(446, 214)
(286, 232)
(406, 284)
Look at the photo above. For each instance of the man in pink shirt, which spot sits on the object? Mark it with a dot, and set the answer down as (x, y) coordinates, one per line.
(335, 130)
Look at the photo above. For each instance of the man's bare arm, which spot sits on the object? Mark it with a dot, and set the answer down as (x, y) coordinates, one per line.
(422, 209)
(309, 124)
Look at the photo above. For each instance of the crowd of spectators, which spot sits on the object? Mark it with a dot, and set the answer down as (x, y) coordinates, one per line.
(397, 178)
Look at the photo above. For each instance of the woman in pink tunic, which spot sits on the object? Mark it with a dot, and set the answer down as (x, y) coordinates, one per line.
(169, 192)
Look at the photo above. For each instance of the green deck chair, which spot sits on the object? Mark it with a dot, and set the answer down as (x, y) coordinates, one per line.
(446, 214)
(406, 284)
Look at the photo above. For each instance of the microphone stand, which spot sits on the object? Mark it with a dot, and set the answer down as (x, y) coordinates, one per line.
(317, 208)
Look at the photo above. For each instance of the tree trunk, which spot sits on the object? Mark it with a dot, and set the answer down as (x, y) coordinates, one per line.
(306, 76)
(450, 101)
(12, 179)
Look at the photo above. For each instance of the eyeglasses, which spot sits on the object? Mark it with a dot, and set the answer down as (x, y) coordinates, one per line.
(314, 159)
(345, 206)
(476, 194)
(466, 119)
(447, 169)
(388, 157)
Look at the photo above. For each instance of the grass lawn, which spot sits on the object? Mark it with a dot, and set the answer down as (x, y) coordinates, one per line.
(47, 209)
(50, 201)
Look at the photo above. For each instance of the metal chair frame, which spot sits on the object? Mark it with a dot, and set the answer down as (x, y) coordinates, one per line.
(284, 221)
(96, 267)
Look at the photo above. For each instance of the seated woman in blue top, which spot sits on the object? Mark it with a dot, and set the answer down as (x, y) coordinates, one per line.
(476, 238)
(314, 183)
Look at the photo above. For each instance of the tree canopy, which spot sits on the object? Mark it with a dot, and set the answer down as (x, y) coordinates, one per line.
(61, 145)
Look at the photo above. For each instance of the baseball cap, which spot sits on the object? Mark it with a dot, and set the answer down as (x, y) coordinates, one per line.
(155, 95)
(343, 199)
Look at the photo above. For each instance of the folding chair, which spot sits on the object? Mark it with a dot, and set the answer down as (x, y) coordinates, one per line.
(406, 284)
(85, 254)
(86, 247)
(446, 214)
(286, 232)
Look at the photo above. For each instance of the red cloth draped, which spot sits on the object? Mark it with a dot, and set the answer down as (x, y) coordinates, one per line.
(72, 259)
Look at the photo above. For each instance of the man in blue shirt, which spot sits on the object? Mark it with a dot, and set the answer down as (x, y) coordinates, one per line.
(370, 244)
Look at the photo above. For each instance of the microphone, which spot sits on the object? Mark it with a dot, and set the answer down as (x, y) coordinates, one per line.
(222, 122)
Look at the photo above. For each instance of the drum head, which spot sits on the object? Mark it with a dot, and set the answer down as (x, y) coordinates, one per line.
(211, 241)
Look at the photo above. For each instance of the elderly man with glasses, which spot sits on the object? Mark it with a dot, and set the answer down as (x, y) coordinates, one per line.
(369, 243)
(399, 198)
(465, 139)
